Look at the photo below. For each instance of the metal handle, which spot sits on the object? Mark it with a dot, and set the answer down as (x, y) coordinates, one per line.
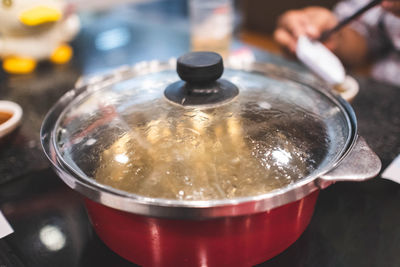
(359, 165)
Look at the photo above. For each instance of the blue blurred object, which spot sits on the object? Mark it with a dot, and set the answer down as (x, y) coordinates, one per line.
(129, 34)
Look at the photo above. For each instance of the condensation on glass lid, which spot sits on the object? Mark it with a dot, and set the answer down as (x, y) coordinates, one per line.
(246, 148)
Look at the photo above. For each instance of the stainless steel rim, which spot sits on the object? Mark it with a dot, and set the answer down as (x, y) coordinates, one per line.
(185, 209)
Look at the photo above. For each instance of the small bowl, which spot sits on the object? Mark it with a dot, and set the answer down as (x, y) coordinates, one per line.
(15, 114)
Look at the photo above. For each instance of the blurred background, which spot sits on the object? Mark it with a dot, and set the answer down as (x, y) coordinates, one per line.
(128, 31)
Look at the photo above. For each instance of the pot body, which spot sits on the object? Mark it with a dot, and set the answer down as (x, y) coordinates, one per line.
(229, 241)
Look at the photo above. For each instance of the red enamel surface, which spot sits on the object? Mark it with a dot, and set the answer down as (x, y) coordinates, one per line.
(230, 241)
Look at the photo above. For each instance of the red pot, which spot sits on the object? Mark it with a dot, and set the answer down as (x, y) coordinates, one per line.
(238, 231)
(231, 241)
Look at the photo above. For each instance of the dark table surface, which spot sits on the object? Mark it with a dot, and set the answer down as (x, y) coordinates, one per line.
(354, 224)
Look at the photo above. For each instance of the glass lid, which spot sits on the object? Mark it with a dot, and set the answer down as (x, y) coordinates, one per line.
(130, 135)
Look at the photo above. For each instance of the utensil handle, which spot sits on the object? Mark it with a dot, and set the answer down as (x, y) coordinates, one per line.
(325, 35)
(359, 165)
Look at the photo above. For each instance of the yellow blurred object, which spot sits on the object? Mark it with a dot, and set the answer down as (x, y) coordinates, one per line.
(19, 65)
(39, 15)
(62, 54)
(35, 31)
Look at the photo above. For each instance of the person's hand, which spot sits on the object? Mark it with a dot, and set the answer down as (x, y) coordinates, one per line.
(311, 21)
(392, 6)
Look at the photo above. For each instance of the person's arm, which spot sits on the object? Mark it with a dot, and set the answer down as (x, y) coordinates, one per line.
(350, 46)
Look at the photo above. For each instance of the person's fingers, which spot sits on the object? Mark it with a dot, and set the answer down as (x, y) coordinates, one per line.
(392, 6)
(294, 22)
(312, 31)
(286, 39)
(320, 20)
(310, 21)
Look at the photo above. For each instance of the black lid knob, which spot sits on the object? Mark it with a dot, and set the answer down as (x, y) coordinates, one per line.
(201, 85)
(200, 67)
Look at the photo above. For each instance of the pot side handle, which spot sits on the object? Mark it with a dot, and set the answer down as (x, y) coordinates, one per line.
(359, 165)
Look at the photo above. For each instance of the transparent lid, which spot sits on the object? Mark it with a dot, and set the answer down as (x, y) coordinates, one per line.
(127, 135)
